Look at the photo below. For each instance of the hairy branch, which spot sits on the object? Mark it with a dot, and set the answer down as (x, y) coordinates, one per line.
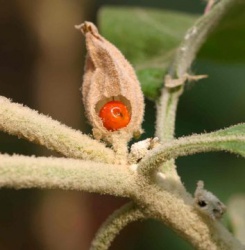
(196, 36)
(42, 172)
(180, 215)
(188, 146)
(114, 224)
(166, 113)
(23, 122)
(193, 40)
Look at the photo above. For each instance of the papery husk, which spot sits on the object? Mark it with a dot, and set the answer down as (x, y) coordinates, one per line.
(109, 76)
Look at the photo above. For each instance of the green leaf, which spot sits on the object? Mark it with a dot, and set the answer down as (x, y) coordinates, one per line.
(236, 146)
(226, 42)
(148, 38)
(151, 82)
(230, 139)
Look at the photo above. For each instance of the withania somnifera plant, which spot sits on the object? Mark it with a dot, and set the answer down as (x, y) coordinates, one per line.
(103, 163)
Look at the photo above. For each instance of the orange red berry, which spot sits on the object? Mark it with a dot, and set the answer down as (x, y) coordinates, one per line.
(114, 115)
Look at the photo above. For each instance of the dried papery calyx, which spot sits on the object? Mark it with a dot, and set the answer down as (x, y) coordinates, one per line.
(109, 80)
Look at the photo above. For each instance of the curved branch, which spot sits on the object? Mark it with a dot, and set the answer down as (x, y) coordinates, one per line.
(188, 146)
(182, 217)
(42, 172)
(185, 55)
(114, 224)
(26, 123)
(196, 36)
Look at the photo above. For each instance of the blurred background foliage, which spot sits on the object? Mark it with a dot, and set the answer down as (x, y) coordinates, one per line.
(41, 65)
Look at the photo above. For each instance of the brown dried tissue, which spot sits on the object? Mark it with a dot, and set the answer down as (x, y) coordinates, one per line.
(109, 76)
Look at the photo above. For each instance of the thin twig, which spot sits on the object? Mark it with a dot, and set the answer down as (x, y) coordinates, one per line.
(187, 146)
(114, 224)
(196, 36)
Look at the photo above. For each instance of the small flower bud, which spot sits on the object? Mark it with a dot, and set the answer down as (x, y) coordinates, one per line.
(140, 149)
(109, 80)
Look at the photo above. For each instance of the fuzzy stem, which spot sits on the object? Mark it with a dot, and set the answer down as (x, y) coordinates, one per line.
(26, 123)
(196, 36)
(166, 113)
(209, 6)
(120, 146)
(186, 146)
(165, 126)
(69, 174)
(181, 216)
(114, 224)
(193, 40)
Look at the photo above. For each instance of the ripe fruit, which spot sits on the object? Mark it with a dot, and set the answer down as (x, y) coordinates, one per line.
(114, 115)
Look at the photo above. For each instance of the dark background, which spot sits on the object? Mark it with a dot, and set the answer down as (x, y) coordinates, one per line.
(41, 66)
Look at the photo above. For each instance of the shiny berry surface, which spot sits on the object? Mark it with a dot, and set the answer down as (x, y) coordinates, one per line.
(114, 115)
